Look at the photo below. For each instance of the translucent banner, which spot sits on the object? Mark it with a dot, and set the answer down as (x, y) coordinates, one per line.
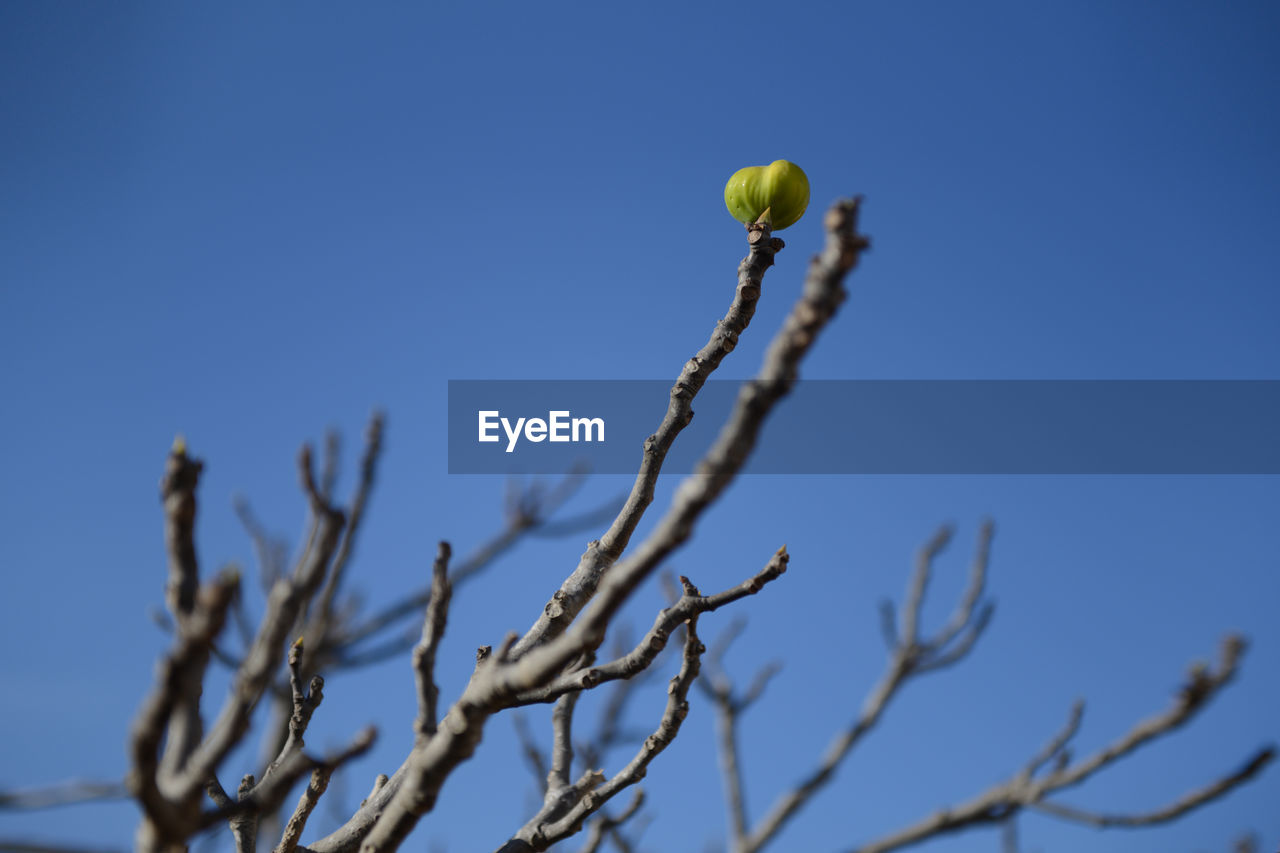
(879, 427)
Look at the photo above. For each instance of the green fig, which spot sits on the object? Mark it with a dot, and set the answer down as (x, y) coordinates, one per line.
(781, 188)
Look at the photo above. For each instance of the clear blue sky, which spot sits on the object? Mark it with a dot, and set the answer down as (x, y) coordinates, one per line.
(247, 224)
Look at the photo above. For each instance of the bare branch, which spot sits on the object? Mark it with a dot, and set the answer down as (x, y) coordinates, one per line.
(609, 732)
(495, 684)
(911, 656)
(677, 708)
(269, 550)
(15, 846)
(728, 707)
(243, 823)
(180, 673)
(1009, 836)
(178, 492)
(378, 782)
(581, 585)
(1202, 685)
(823, 292)
(329, 464)
(653, 642)
(937, 657)
(561, 743)
(424, 656)
(963, 614)
(888, 624)
(531, 751)
(604, 825)
(1058, 744)
(532, 520)
(1001, 802)
(914, 600)
(306, 805)
(283, 607)
(1174, 810)
(355, 513)
(730, 755)
(244, 629)
(304, 704)
(267, 795)
(67, 793)
(560, 794)
(178, 495)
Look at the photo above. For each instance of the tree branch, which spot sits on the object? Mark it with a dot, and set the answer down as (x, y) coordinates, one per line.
(729, 707)
(606, 825)
(424, 656)
(653, 642)
(414, 788)
(539, 835)
(581, 585)
(910, 656)
(355, 514)
(178, 493)
(1176, 809)
(67, 793)
(531, 519)
(315, 789)
(1001, 802)
(286, 601)
(180, 675)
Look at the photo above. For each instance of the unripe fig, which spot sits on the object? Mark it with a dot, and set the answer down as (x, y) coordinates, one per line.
(782, 188)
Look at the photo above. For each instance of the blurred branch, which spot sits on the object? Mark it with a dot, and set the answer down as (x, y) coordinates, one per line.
(1030, 787)
(63, 794)
(13, 846)
(270, 551)
(169, 788)
(531, 751)
(424, 656)
(527, 513)
(355, 515)
(1187, 802)
(178, 493)
(607, 827)
(729, 706)
(910, 655)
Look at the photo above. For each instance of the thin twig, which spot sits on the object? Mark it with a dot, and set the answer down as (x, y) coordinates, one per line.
(581, 585)
(391, 815)
(913, 655)
(178, 493)
(283, 606)
(604, 825)
(182, 668)
(1001, 802)
(516, 529)
(531, 751)
(677, 708)
(729, 707)
(15, 846)
(355, 513)
(424, 656)
(306, 805)
(68, 793)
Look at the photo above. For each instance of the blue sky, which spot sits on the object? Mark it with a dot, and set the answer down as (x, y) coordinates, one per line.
(248, 224)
